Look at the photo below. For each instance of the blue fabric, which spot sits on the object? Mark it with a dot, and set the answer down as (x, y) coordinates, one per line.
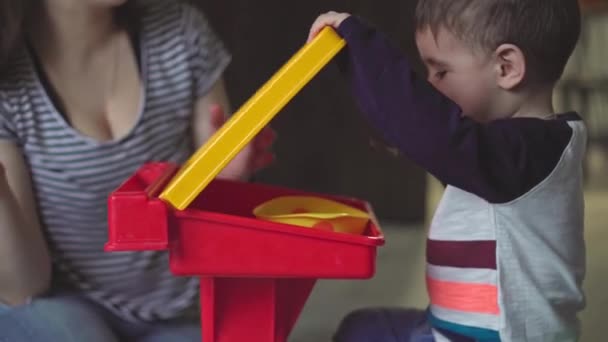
(385, 325)
(74, 319)
(478, 334)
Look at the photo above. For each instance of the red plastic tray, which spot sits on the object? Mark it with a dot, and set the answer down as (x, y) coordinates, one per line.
(255, 275)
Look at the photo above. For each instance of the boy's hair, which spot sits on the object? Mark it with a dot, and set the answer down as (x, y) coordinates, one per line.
(545, 30)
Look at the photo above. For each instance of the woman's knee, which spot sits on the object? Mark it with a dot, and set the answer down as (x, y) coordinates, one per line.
(68, 319)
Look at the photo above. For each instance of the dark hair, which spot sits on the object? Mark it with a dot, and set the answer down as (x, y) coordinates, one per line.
(14, 15)
(545, 30)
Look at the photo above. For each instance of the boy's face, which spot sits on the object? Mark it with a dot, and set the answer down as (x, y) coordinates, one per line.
(460, 73)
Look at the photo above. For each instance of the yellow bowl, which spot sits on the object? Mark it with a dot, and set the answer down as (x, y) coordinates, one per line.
(313, 212)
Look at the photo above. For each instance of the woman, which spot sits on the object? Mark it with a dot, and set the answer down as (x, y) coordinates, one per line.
(89, 91)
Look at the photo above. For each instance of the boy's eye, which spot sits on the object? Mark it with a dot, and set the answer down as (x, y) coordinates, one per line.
(440, 74)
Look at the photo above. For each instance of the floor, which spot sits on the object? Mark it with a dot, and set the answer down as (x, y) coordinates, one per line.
(399, 280)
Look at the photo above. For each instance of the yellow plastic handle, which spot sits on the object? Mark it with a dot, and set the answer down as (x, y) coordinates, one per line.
(249, 120)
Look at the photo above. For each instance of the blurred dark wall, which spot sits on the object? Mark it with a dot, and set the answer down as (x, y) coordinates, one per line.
(323, 142)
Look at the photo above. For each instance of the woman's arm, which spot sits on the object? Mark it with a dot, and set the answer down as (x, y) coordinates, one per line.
(25, 264)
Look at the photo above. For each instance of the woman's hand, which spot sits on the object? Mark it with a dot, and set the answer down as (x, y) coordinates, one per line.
(255, 156)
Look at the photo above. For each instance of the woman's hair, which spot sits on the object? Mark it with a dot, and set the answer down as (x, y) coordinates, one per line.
(12, 18)
(15, 15)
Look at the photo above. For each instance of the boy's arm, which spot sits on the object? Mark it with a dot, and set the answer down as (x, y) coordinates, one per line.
(498, 161)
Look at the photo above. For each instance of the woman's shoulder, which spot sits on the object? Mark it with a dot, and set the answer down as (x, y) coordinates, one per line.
(164, 23)
(176, 29)
(176, 13)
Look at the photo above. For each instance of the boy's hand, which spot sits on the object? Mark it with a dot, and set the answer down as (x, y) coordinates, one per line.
(254, 157)
(333, 19)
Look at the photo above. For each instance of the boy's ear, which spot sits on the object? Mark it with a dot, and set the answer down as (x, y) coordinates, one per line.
(510, 64)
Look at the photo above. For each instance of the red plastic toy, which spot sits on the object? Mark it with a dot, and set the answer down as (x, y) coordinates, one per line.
(255, 275)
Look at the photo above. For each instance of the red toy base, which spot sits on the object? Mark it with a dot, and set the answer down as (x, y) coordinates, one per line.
(255, 275)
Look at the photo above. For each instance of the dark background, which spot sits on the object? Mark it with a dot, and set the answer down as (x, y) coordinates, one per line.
(324, 144)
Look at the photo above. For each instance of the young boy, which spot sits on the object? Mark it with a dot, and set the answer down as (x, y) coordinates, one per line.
(505, 253)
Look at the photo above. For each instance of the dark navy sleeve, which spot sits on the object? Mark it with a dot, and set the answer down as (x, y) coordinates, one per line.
(498, 161)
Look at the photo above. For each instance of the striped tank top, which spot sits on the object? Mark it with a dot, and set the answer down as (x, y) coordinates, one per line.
(180, 59)
(511, 271)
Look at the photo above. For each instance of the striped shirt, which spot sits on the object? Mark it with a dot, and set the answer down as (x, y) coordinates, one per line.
(180, 59)
(505, 252)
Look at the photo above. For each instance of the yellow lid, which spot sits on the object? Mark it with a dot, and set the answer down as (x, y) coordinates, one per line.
(249, 120)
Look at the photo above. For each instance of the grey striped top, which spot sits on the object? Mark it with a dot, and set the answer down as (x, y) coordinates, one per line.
(180, 59)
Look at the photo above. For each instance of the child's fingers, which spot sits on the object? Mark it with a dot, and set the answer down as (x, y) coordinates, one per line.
(314, 31)
(326, 19)
(323, 20)
(314, 28)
